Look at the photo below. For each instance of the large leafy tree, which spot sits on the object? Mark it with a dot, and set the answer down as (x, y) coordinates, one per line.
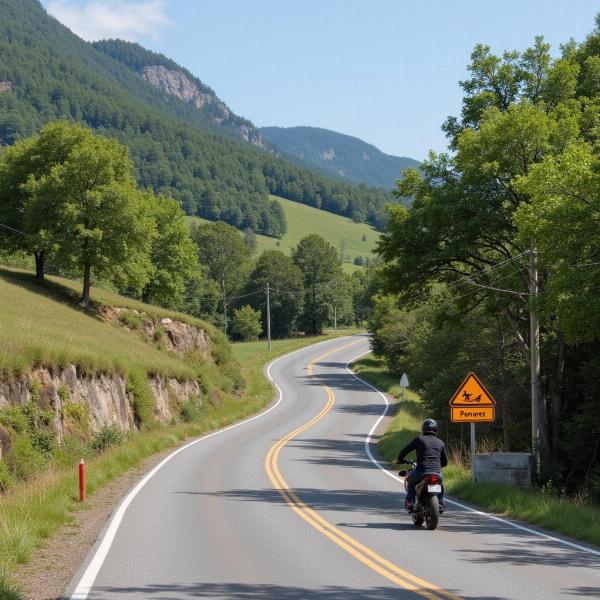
(518, 109)
(320, 265)
(225, 256)
(33, 157)
(173, 255)
(88, 208)
(286, 285)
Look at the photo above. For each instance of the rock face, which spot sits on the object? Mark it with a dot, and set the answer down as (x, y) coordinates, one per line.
(103, 397)
(178, 84)
(177, 337)
(5, 86)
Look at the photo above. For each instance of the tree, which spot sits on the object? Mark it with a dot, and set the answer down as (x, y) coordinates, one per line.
(339, 298)
(87, 207)
(250, 239)
(517, 110)
(286, 291)
(246, 323)
(33, 157)
(563, 218)
(318, 260)
(223, 252)
(173, 255)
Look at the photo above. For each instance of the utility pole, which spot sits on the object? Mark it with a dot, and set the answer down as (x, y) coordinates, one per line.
(269, 314)
(534, 348)
(335, 318)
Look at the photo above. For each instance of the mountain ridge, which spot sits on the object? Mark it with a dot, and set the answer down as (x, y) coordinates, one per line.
(344, 156)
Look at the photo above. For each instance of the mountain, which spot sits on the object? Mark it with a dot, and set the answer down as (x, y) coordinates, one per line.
(341, 155)
(183, 139)
(166, 75)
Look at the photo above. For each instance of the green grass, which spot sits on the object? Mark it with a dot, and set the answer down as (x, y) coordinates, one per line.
(303, 219)
(568, 516)
(40, 325)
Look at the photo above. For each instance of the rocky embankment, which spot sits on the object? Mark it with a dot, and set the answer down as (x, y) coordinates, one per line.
(68, 394)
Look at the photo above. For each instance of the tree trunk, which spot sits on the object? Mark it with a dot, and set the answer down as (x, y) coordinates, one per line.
(87, 278)
(40, 259)
(557, 393)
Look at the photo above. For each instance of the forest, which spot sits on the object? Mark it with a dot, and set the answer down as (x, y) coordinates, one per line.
(504, 226)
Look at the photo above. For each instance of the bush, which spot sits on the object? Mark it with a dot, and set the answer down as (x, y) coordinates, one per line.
(6, 479)
(246, 323)
(190, 411)
(44, 442)
(23, 460)
(13, 418)
(109, 435)
(359, 261)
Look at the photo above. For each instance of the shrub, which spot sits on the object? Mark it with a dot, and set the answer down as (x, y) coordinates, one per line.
(246, 323)
(6, 479)
(190, 411)
(78, 414)
(23, 460)
(109, 435)
(13, 418)
(44, 442)
(359, 261)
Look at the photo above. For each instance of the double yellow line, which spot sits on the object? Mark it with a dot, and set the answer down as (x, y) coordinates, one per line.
(364, 554)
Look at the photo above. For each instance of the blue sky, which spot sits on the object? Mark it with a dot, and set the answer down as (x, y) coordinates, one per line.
(386, 71)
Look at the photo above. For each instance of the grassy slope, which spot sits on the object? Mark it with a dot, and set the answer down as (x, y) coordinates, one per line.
(302, 220)
(40, 322)
(563, 515)
(41, 325)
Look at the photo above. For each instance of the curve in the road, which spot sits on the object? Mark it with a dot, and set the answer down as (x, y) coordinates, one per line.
(363, 553)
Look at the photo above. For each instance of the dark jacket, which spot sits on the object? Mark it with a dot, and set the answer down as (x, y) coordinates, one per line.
(431, 453)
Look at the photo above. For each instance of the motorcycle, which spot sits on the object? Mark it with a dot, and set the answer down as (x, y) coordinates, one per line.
(427, 505)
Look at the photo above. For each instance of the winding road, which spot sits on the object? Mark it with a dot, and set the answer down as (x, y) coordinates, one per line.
(292, 504)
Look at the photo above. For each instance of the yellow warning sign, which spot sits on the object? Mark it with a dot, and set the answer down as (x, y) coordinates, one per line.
(472, 403)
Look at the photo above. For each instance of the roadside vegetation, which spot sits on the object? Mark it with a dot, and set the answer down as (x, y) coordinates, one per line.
(500, 235)
(544, 507)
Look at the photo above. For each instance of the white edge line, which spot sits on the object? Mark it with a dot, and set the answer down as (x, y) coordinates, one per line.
(463, 506)
(88, 578)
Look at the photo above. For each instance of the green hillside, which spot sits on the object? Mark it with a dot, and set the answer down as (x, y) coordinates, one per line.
(302, 220)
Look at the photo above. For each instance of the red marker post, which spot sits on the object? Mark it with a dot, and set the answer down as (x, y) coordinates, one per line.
(82, 483)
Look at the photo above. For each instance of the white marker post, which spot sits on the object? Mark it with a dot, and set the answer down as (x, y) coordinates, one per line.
(403, 384)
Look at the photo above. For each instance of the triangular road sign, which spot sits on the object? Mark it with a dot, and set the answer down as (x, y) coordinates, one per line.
(472, 393)
(472, 403)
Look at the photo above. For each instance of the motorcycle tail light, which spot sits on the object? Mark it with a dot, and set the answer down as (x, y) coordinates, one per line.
(433, 479)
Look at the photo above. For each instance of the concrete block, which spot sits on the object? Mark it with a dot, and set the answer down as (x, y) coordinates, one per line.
(509, 468)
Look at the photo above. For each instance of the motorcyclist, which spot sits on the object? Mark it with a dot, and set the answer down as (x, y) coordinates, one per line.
(431, 457)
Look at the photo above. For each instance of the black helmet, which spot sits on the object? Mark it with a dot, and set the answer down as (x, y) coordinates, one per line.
(429, 426)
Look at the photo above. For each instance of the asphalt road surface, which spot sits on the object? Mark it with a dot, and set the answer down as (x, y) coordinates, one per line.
(290, 505)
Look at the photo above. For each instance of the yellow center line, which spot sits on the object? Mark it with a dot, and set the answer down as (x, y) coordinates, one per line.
(363, 553)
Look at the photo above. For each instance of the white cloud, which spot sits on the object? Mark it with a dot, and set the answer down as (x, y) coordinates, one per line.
(99, 19)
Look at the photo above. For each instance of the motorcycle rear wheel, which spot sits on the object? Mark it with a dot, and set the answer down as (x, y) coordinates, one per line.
(432, 513)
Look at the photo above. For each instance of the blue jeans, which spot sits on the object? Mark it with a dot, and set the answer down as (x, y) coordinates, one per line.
(413, 478)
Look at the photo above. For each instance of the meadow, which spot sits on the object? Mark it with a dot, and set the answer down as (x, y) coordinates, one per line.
(303, 219)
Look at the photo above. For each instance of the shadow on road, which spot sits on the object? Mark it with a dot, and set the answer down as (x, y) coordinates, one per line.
(241, 591)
